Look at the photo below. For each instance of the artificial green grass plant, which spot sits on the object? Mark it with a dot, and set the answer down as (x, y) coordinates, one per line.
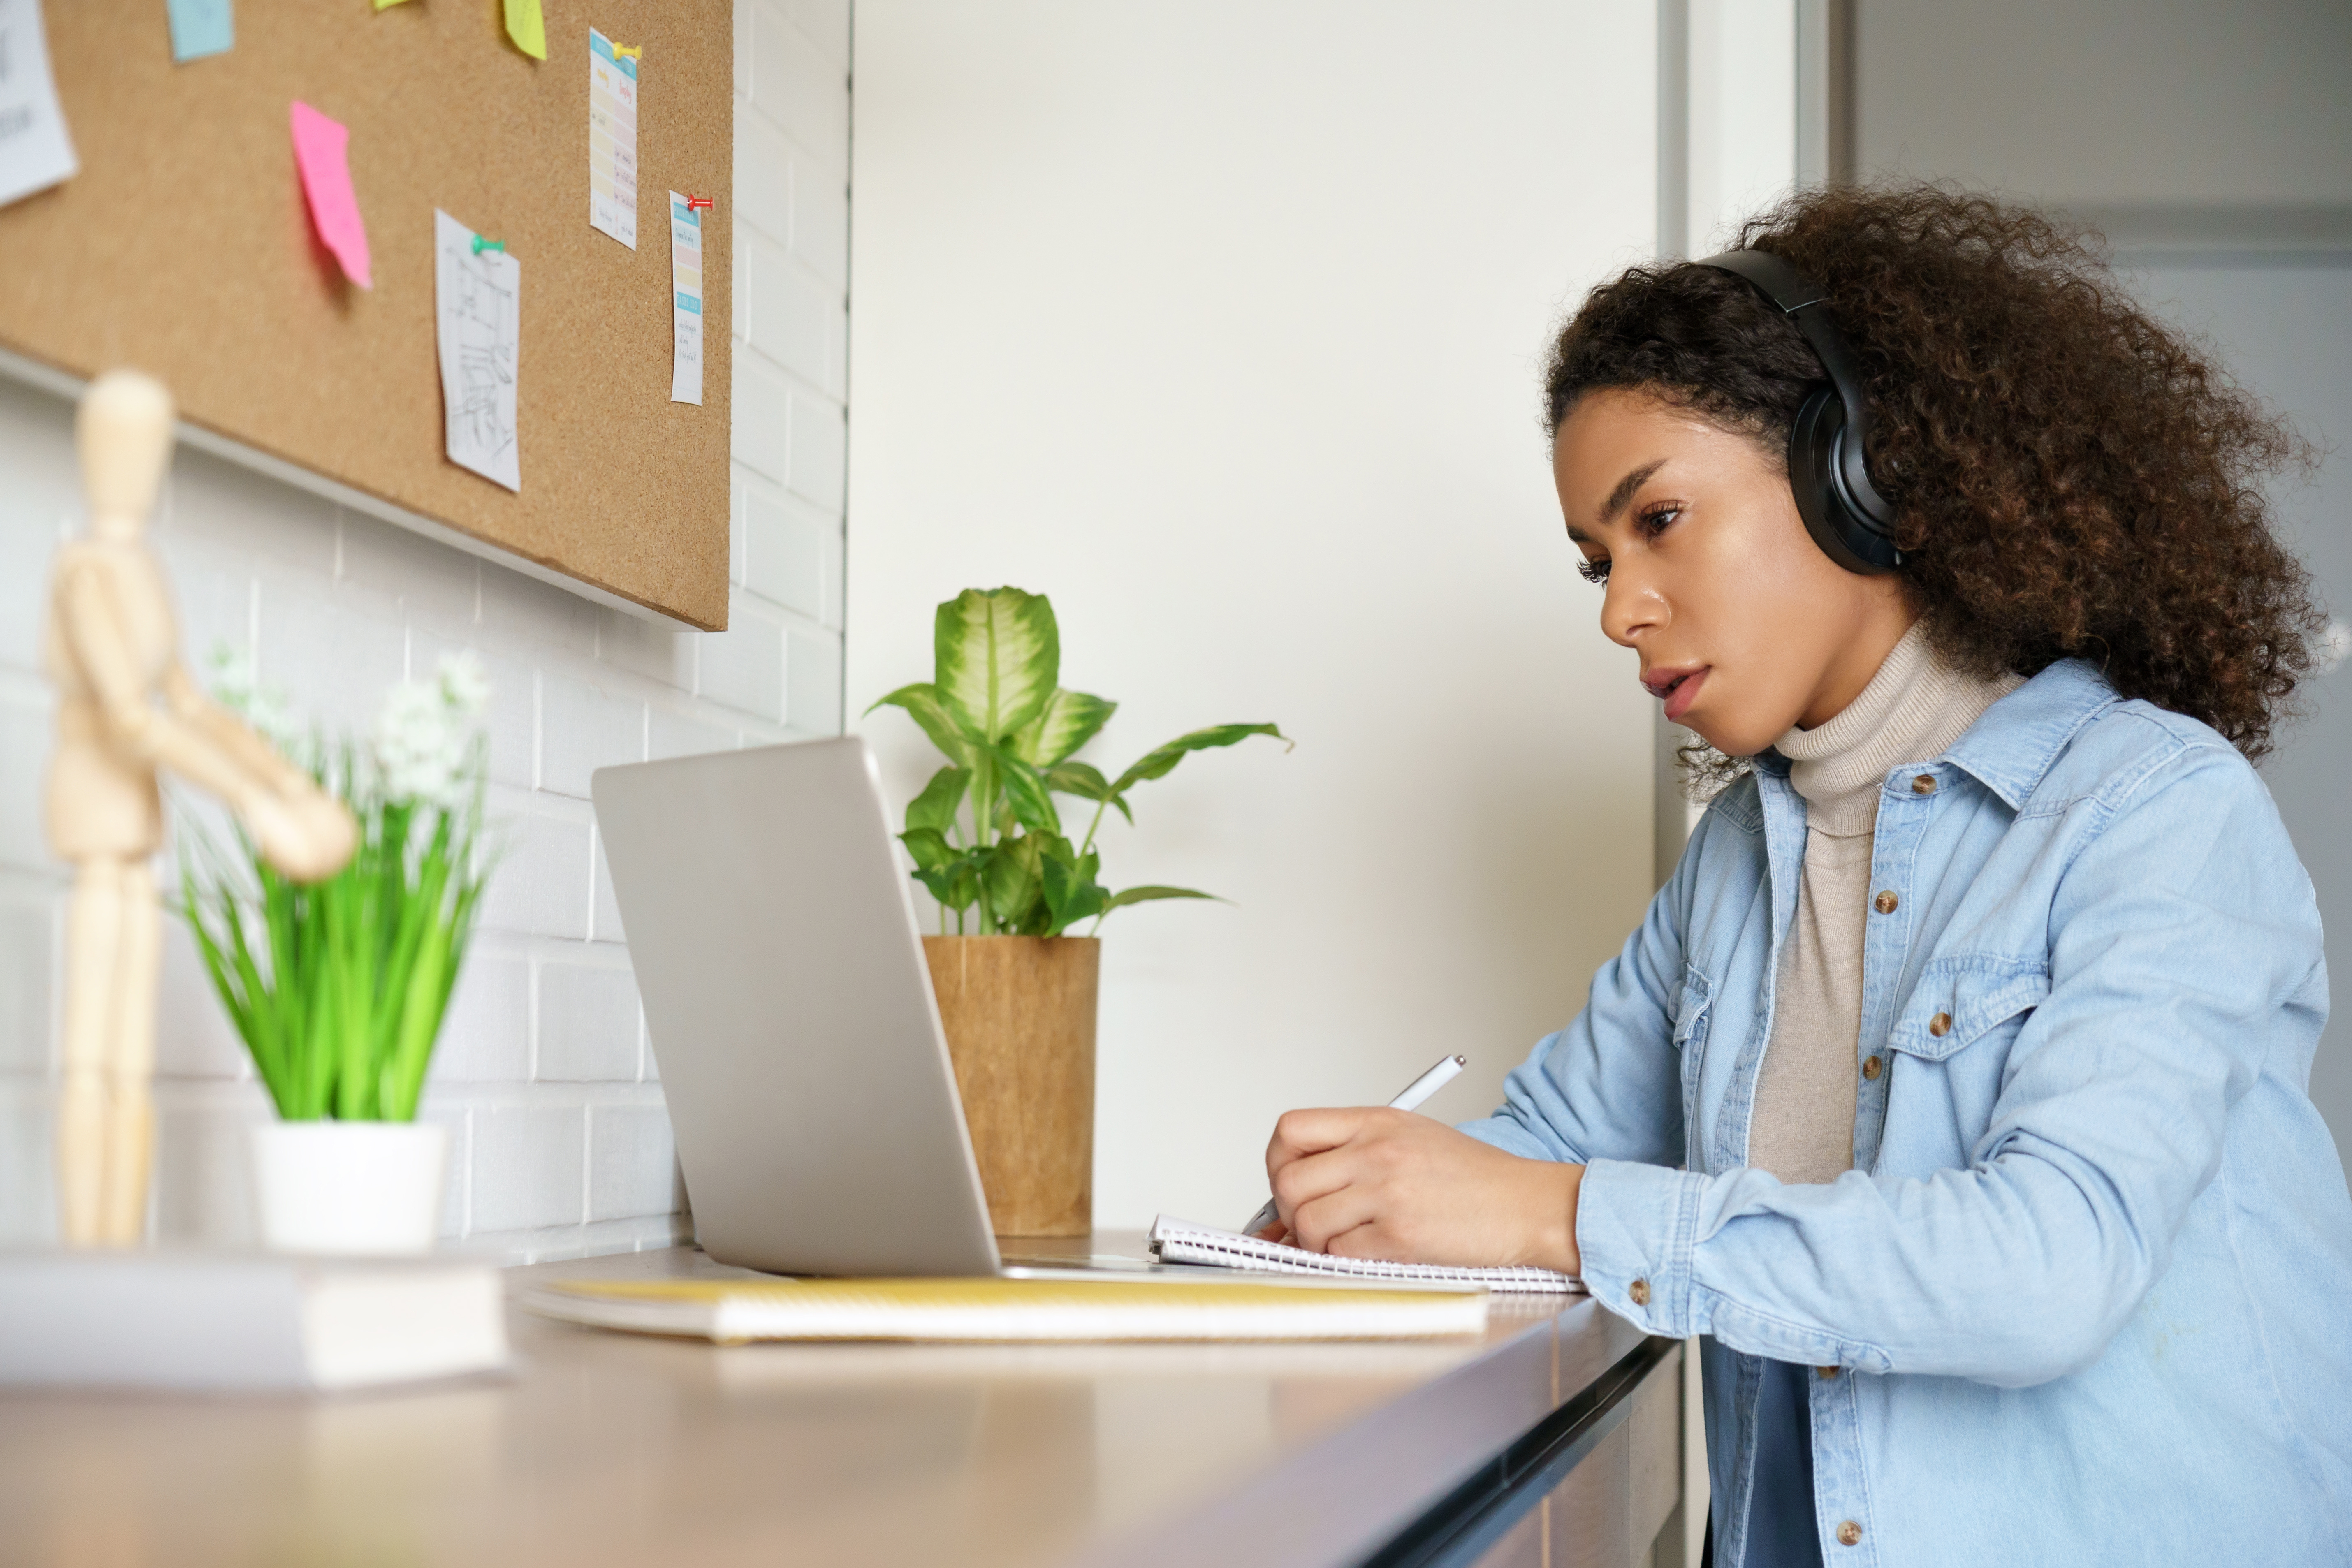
(338, 987)
(985, 834)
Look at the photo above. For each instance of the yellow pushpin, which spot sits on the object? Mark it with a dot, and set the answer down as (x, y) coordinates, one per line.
(628, 51)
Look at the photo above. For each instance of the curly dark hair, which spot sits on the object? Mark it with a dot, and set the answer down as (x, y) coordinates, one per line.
(2070, 477)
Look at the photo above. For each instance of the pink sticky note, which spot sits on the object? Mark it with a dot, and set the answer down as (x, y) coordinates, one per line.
(319, 144)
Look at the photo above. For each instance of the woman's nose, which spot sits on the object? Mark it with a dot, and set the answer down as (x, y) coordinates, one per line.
(1631, 607)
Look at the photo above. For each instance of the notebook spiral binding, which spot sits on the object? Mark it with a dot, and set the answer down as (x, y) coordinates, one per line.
(1174, 1241)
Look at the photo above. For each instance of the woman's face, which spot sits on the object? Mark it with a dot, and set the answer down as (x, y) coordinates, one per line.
(1744, 627)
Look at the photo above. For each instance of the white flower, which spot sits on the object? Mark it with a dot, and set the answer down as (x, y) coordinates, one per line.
(464, 685)
(424, 738)
(236, 688)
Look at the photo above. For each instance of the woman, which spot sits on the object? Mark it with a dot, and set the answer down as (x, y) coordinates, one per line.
(1955, 1086)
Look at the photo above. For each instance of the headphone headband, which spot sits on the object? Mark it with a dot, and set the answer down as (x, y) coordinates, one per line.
(1828, 465)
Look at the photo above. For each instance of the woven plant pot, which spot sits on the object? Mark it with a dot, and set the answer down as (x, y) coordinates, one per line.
(1020, 1018)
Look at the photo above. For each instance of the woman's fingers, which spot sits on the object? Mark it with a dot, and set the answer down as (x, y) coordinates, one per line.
(1298, 1134)
(1337, 1216)
(1309, 1177)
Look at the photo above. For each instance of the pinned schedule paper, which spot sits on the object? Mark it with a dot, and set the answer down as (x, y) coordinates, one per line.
(611, 140)
(477, 319)
(35, 151)
(686, 301)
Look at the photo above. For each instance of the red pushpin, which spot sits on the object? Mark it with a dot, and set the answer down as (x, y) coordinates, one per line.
(694, 202)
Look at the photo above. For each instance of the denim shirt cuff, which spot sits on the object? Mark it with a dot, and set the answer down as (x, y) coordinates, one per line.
(1636, 1226)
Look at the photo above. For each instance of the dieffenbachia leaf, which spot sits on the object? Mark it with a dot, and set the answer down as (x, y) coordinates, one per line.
(1127, 896)
(1012, 885)
(998, 652)
(1070, 720)
(922, 703)
(1085, 781)
(936, 807)
(1024, 792)
(1067, 880)
(929, 847)
(1160, 763)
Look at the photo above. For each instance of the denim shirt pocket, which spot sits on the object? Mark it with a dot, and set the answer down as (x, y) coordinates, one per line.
(1694, 1011)
(1965, 998)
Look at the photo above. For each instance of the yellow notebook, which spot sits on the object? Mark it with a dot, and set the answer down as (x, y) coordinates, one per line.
(734, 1310)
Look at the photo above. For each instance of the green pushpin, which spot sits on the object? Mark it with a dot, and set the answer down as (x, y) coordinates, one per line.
(481, 245)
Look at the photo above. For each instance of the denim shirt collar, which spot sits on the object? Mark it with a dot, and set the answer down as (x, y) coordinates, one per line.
(2018, 738)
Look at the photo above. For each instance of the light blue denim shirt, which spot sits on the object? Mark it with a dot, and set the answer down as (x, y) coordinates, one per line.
(2087, 1295)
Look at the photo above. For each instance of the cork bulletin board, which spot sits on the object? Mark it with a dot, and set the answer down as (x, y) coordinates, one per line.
(184, 248)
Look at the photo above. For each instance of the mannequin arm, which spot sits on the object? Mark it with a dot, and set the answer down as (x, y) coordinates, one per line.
(302, 831)
(104, 654)
(227, 733)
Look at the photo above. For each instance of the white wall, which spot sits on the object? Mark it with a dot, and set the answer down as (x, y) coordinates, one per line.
(1222, 325)
(563, 1145)
(1742, 102)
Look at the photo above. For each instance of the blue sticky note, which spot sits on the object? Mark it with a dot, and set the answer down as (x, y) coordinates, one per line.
(201, 28)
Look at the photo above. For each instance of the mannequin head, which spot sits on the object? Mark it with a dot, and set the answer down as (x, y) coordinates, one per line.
(124, 432)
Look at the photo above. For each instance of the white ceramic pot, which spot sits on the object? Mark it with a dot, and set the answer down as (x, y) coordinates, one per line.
(372, 1187)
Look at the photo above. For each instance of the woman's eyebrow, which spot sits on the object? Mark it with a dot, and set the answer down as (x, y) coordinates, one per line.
(1625, 489)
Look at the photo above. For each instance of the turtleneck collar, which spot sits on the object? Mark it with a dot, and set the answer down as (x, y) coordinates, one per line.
(1916, 706)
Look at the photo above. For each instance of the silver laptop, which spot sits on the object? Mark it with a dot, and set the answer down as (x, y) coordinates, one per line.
(791, 1019)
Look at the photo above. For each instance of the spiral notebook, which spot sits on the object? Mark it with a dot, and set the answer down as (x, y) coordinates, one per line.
(1175, 1241)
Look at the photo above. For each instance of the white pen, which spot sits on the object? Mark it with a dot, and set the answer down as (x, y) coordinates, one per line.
(1419, 1089)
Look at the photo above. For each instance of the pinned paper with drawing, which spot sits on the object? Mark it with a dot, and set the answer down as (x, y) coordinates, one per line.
(477, 312)
(35, 151)
(612, 139)
(686, 301)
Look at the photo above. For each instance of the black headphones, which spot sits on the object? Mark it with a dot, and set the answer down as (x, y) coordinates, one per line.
(1827, 468)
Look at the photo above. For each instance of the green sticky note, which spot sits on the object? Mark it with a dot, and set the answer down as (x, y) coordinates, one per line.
(527, 27)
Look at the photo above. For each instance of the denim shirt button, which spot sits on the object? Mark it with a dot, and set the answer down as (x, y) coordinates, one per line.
(1940, 1025)
(1886, 902)
(1827, 1370)
(1924, 784)
(1873, 1067)
(1639, 1291)
(1849, 1533)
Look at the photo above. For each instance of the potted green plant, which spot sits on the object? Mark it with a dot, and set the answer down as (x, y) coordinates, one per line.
(1016, 993)
(338, 988)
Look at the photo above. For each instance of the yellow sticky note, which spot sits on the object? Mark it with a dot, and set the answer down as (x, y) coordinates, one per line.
(527, 27)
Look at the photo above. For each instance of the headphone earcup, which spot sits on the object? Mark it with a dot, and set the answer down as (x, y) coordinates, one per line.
(1816, 438)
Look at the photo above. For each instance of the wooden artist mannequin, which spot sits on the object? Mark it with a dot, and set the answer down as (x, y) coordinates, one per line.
(111, 647)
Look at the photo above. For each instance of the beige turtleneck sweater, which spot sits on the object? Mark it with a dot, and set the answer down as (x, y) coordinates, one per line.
(1801, 1128)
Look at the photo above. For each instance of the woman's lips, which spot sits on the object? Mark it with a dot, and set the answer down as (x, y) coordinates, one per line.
(1678, 688)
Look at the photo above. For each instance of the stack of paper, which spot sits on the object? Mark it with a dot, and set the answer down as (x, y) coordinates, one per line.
(731, 1312)
(222, 1320)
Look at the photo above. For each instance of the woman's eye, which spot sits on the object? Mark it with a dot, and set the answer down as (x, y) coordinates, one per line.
(1653, 521)
(1594, 572)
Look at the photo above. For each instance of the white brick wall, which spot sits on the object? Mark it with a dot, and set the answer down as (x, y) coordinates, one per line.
(563, 1146)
